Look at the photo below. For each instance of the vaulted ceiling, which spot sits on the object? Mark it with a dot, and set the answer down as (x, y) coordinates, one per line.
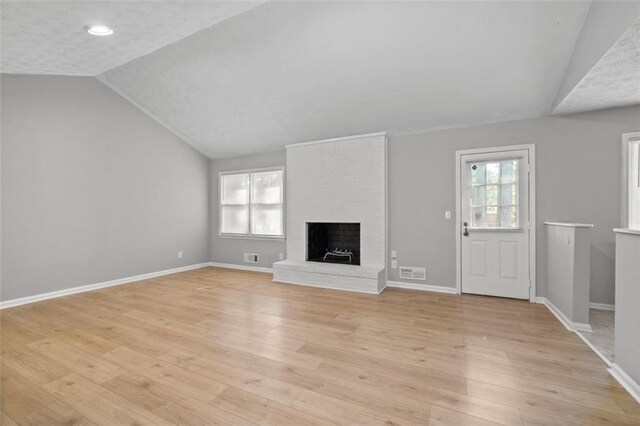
(232, 78)
(613, 81)
(48, 37)
(293, 71)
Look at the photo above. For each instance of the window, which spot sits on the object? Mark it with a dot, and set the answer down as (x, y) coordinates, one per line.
(633, 182)
(252, 203)
(494, 194)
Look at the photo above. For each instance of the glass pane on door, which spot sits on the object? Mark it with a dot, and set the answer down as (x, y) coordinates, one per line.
(494, 194)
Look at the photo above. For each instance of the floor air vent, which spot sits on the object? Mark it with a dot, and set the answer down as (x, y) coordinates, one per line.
(411, 273)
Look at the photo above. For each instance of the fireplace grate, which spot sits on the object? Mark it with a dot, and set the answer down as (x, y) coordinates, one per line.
(339, 253)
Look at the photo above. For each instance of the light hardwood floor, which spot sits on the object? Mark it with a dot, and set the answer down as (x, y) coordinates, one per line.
(217, 346)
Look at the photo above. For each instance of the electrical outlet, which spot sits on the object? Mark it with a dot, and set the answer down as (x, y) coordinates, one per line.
(394, 264)
(179, 255)
(281, 256)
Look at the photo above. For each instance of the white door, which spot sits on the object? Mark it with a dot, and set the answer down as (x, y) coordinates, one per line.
(495, 230)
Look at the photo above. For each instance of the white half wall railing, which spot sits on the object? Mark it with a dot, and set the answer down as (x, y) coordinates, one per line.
(568, 273)
(626, 365)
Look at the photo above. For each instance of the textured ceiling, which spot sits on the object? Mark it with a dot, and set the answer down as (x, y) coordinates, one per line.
(294, 71)
(47, 37)
(613, 82)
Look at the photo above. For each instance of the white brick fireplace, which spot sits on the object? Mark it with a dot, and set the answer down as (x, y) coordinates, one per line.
(337, 180)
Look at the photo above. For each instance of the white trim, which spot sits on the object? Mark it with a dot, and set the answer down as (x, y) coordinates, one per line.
(284, 205)
(91, 287)
(568, 324)
(532, 223)
(250, 237)
(602, 306)
(386, 211)
(422, 287)
(241, 267)
(627, 231)
(532, 211)
(344, 138)
(458, 227)
(306, 284)
(255, 169)
(627, 138)
(493, 149)
(594, 349)
(625, 381)
(549, 305)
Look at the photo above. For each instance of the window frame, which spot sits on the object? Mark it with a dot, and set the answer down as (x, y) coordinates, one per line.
(627, 140)
(250, 236)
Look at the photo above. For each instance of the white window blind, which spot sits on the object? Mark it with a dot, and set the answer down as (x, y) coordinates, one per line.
(634, 184)
(252, 203)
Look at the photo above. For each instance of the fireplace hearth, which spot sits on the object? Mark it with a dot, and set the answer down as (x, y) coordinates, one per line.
(333, 242)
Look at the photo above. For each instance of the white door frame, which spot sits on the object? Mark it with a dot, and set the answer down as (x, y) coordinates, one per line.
(532, 211)
(627, 138)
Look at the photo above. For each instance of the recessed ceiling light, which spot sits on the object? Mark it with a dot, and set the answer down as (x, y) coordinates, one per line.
(99, 30)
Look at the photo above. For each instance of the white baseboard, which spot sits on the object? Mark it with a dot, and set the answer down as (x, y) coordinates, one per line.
(241, 267)
(602, 306)
(423, 287)
(594, 349)
(328, 287)
(90, 287)
(618, 373)
(623, 378)
(568, 324)
(625, 381)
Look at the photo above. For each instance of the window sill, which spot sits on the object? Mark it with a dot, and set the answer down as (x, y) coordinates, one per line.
(250, 237)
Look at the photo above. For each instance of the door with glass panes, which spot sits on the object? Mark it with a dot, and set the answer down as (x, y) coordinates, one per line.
(494, 189)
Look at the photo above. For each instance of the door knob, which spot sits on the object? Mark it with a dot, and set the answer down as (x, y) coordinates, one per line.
(466, 229)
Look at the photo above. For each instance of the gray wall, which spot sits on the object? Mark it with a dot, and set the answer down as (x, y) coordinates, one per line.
(578, 180)
(230, 250)
(627, 344)
(92, 188)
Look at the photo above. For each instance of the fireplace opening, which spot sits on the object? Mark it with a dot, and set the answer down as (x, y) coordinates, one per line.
(332, 242)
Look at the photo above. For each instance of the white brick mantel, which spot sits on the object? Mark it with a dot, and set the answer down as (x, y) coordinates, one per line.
(337, 180)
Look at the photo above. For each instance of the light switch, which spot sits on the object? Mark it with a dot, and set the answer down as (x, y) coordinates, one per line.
(447, 214)
(394, 254)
